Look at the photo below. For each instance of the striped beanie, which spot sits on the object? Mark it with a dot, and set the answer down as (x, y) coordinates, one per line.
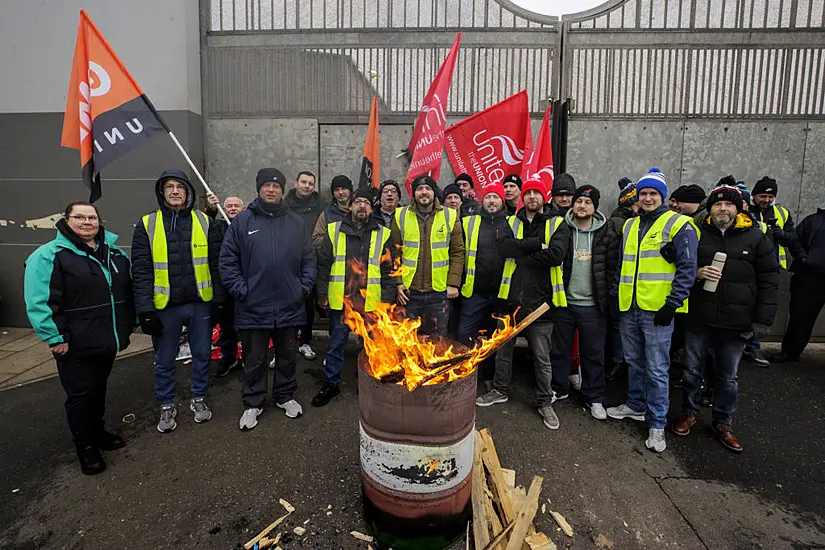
(627, 195)
(655, 180)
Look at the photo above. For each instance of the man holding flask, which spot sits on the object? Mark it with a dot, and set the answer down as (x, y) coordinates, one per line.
(734, 298)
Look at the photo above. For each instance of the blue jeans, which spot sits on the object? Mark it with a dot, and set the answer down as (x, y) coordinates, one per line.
(647, 352)
(752, 345)
(197, 318)
(476, 315)
(338, 335)
(614, 338)
(726, 347)
(432, 308)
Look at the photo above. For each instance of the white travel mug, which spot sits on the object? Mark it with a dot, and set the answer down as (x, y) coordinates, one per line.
(719, 263)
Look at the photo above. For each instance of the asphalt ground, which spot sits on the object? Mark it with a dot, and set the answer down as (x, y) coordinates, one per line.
(213, 486)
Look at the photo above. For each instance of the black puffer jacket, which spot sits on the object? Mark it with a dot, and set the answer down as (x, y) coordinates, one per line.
(748, 291)
(178, 227)
(309, 208)
(489, 260)
(604, 262)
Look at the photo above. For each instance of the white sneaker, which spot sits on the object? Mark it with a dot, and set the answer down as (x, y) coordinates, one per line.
(623, 411)
(273, 363)
(306, 351)
(656, 440)
(291, 408)
(249, 419)
(597, 411)
(576, 380)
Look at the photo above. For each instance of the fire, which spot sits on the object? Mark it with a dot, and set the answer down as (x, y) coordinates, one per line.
(396, 352)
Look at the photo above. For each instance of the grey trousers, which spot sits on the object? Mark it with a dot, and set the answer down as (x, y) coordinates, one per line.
(539, 335)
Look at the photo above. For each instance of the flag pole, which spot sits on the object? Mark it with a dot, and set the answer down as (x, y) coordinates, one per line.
(197, 172)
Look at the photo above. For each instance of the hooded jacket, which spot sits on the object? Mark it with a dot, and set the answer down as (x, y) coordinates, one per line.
(268, 266)
(602, 244)
(178, 226)
(78, 296)
(747, 293)
(308, 208)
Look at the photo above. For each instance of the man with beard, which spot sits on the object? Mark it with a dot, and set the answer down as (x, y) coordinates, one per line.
(268, 265)
(564, 187)
(512, 192)
(535, 277)
(305, 201)
(389, 196)
(341, 187)
(589, 268)
(469, 204)
(743, 305)
(432, 257)
(356, 262)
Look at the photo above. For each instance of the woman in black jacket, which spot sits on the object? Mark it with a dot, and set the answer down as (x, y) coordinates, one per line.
(78, 292)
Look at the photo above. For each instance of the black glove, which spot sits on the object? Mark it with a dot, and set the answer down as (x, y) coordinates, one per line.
(613, 307)
(778, 233)
(668, 252)
(664, 316)
(760, 331)
(218, 314)
(151, 324)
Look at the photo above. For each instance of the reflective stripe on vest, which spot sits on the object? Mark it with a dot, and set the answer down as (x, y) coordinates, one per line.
(443, 222)
(643, 267)
(556, 274)
(153, 223)
(337, 274)
(781, 214)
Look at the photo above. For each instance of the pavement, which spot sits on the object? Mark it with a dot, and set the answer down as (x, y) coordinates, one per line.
(213, 486)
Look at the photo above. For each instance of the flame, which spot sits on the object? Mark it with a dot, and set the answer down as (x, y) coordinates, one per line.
(394, 348)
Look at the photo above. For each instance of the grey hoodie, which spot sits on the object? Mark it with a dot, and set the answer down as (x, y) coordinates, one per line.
(580, 289)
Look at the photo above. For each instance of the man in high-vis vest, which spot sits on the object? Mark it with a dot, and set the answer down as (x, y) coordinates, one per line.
(781, 228)
(483, 269)
(354, 270)
(532, 276)
(432, 257)
(658, 269)
(268, 266)
(175, 252)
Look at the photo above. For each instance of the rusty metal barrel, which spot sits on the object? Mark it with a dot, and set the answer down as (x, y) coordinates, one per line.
(416, 460)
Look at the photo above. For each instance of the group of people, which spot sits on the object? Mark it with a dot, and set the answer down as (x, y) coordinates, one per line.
(618, 284)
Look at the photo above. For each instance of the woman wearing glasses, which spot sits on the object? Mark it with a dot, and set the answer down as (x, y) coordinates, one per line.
(78, 292)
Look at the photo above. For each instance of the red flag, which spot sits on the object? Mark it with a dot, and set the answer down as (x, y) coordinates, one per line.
(491, 144)
(371, 165)
(539, 167)
(107, 114)
(427, 139)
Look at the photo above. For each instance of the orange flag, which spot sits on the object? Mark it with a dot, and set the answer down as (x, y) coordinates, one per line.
(107, 114)
(371, 165)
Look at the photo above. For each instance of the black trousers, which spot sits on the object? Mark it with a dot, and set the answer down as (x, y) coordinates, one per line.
(807, 300)
(305, 336)
(84, 379)
(256, 367)
(592, 325)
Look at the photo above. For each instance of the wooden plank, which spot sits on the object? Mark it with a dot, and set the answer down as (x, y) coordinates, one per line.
(266, 531)
(498, 485)
(539, 541)
(562, 523)
(495, 523)
(481, 526)
(509, 477)
(526, 515)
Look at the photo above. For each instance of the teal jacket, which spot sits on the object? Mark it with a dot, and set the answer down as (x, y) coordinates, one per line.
(80, 296)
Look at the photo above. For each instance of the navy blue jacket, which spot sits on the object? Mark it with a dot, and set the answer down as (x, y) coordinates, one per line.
(268, 266)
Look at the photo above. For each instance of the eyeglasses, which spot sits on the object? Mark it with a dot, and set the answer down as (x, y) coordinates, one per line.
(83, 219)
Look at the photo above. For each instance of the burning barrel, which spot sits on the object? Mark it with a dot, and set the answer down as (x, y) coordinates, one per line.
(416, 460)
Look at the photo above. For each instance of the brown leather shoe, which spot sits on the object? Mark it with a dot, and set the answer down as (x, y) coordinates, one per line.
(683, 425)
(726, 437)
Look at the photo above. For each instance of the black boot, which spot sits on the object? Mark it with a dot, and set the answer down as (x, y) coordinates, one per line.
(227, 365)
(328, 391)
(109, 441)
(91, 461)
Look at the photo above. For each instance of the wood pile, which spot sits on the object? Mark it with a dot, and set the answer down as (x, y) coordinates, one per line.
(503, 513)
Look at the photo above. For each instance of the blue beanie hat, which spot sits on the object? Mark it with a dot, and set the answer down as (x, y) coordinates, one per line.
(655, 180)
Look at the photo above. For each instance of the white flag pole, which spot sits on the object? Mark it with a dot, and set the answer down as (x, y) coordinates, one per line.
(197, 173)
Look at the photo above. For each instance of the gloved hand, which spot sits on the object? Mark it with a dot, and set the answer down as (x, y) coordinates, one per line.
(760, 331)
(151, 324)
(218, 313)
(664, 316)
(778, 233)
(613, 307)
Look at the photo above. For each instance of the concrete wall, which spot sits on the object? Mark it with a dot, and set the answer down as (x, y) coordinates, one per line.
(158, 40)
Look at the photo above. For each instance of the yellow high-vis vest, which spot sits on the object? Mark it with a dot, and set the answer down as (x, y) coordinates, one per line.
(160, 256)
(338, 272)
(781, 214)
(556, 274)
(443, 223)
(643, 266)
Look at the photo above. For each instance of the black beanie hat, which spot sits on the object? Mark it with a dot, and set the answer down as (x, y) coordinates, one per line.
(725, 193)
(452, 189)
(590, 192)
(365, 192)
(766, 185)
(513, 178)
(624, 181)
(464, 177)
(424, 179)
(389, 183)
(265, 175)
(341, 181)
(689, 193)
(564, 184)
